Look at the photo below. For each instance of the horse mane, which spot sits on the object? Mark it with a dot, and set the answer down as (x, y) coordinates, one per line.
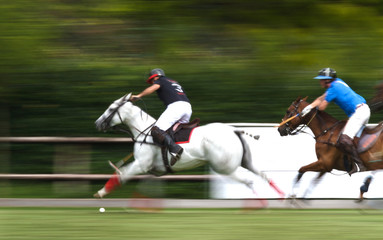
(324, 115)
(143, 114)
(327, 117)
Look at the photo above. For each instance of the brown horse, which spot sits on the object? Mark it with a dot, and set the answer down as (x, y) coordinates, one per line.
(326, 130)
(376, 103)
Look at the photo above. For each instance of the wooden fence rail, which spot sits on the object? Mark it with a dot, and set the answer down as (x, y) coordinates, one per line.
(85, 177)
(101, 177)
(64, 140)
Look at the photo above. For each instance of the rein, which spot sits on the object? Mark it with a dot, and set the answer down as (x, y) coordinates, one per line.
(126, 128)
(324, 133)
(303, 126)
(296, 131)
(128, 131)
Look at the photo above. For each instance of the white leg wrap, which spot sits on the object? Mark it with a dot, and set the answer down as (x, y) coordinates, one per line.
(101, 193)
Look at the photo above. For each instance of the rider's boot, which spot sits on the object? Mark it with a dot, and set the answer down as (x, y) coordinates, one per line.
(110, 185)
(346, 145)
(162, 138)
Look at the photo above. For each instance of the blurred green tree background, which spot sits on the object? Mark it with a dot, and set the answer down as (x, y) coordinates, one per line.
(63, 62)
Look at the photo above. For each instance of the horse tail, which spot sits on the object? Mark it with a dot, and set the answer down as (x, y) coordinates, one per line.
(376, 106)
(248, 163)
(246, 158)
(376, 103)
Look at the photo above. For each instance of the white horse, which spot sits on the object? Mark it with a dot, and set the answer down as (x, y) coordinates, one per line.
(220, 145)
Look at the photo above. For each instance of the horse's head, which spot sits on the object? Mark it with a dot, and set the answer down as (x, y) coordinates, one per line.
(293, 118)
(109, 118)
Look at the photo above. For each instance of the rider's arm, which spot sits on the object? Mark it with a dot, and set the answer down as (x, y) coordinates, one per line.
(320, 102)
(147, 91)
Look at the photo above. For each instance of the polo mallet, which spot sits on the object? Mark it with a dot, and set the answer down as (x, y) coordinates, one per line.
(287, 120)
(120, 163)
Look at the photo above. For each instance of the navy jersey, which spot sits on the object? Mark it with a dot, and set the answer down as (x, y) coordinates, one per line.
(170, 91)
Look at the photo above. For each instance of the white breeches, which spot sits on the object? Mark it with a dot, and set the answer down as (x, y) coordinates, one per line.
(357, 121)
(176, 112)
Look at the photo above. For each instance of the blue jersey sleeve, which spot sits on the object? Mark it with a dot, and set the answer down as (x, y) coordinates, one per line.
(343, 96)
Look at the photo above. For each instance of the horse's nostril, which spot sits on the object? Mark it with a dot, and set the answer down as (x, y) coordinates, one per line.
(282, 131)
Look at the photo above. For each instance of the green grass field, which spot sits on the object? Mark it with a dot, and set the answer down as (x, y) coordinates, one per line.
(194, 224)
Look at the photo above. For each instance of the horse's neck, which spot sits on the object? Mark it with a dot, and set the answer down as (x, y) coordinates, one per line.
(138, 121)
(321, 121)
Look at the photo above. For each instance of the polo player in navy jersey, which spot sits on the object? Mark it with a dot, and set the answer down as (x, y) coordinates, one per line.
(351, 103)
(178, 109)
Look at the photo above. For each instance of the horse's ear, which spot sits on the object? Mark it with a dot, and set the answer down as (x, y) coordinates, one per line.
(304, 99)
(127, 97)
(298, 99)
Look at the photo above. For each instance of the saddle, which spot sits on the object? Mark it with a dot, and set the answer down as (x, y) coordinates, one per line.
(369, 137)
(180, 132)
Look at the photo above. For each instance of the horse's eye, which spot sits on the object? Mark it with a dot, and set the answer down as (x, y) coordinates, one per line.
(287, 112)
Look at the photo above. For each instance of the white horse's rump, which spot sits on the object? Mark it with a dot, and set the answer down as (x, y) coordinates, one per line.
(217, 144)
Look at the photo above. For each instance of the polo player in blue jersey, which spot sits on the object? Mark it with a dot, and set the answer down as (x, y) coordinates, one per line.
(351, 103)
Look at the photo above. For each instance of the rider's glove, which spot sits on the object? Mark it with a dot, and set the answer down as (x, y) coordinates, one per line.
(306, 110)
(134, 98)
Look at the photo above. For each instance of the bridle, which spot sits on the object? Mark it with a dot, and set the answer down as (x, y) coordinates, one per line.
(295, 113)
(121, 127)
(293, 131)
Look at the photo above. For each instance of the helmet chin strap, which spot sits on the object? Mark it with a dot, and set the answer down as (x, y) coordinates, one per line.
(329, 81)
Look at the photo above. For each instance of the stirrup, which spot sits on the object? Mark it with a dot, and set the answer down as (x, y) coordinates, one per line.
(354, 169)
(175, 156)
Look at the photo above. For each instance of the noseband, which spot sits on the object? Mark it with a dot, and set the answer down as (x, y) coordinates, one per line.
(111, 115)
(323, 130)
(290, 130)
(293, 131)
(121, 127)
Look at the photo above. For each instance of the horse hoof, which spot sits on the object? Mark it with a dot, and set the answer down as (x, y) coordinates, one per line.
(97, 195)
(293, 196)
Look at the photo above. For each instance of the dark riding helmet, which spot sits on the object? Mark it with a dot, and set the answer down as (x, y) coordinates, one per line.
(155, 73)
(326, 73)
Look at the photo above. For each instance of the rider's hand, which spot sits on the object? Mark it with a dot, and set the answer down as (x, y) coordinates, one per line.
(306, 110)
(134, 98)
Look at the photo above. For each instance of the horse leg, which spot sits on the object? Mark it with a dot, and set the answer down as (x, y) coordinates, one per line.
(120, 177)
(313, 184)
(296, 183)
(247, 163)
(247, 177)
(252, 169)
(313, 167)
(244, 176)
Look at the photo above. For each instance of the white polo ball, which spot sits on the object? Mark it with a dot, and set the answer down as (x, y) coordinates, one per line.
(102, 210)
